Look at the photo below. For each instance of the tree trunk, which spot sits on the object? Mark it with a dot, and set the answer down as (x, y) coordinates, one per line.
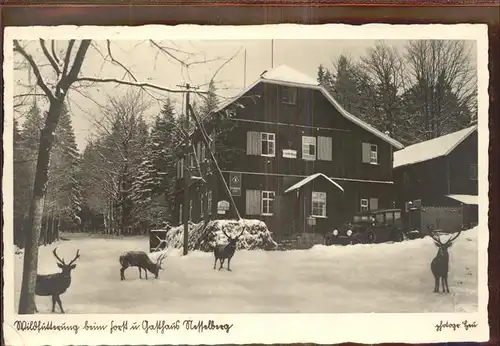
(56, 236)
(30, 265)
(53, 229)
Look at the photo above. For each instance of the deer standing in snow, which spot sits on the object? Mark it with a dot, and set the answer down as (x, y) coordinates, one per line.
(223, 252)
(440, 263)
(56, 284)
(141, 260)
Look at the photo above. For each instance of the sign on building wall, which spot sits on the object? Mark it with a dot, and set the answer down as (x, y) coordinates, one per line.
(289, 153)
(235, 184)
(222, 207)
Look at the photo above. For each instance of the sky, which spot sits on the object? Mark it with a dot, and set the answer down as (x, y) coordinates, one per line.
(148, 64)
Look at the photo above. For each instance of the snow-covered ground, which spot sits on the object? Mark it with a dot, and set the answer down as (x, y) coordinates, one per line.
(360, 278)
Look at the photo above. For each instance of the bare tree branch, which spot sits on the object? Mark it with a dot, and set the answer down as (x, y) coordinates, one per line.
(136, 84)
(67, 57)
(49, 57)
(114, 61)
(164, 50)
(54, 54)
(36, 71)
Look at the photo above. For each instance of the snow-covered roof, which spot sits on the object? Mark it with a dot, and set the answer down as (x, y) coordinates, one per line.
(465, 199)
(309, 179)
(431, 149)
(284, 75)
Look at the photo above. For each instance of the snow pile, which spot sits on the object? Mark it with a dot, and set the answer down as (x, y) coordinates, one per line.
(254, 235)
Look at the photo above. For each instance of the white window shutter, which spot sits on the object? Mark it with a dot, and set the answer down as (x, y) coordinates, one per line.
(253, 202)
(253, 143)
(366, 152)
(325, 148)
(373, 203)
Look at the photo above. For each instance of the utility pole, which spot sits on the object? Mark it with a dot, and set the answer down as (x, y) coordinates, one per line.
(185, 212)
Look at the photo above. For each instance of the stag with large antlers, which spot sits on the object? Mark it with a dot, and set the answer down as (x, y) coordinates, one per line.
(56, 284)
(141, 260)
(223, 252)
(440, 263)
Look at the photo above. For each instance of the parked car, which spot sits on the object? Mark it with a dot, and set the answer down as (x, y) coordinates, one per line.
(376, 226)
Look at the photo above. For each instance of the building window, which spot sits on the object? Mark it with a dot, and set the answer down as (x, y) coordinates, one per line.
(373, 154)
(268, 143)
(319, 204)
(370, 153)
(203, 153)
(289, 95)
(202, 205)
(209, 202)
(308, 148)
(473, 172)
(267, 202)
(191, 160)
(364, 204)
(181, 168)
(180, 214)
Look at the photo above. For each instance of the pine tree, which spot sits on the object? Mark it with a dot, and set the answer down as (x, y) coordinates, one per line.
(154, 186)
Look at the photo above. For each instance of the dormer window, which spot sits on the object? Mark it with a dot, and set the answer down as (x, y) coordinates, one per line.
(289, 95)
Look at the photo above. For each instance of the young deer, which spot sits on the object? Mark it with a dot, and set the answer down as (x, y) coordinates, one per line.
(439, 265)
(141, 260)
(223, 252)
(56, 284)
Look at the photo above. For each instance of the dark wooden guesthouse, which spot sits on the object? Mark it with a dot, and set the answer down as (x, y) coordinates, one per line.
(296, 156)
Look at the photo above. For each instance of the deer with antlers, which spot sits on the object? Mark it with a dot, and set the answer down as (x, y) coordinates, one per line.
(440, 263)
(141, 260)
(223, 252)
(56, 284)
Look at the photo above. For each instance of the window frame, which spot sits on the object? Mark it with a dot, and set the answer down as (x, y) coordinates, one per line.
(289, 95)
(309, 156)
(319, 197)
(209, 202)
(268, 140)
(373, 159)
(262, 204)
(361, 204)
(203, 153)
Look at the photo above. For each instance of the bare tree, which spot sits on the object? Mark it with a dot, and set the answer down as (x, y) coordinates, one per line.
(62, 72)
(442, 97)
(384, 66)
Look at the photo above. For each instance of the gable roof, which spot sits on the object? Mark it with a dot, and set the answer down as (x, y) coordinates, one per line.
(286, 76)
(311, 178)
(431, 149)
